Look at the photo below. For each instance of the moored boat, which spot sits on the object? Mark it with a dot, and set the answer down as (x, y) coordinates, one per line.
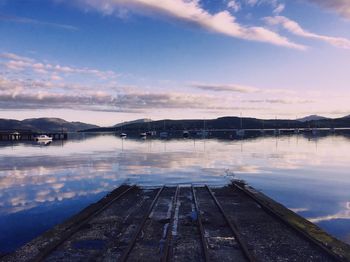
(43, 138)
(185, 134)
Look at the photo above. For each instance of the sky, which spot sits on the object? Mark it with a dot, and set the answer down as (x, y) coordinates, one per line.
(107, 61)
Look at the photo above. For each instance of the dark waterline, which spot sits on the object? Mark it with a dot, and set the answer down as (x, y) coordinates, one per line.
(41, 186)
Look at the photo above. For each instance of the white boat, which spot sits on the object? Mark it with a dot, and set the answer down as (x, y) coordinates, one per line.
(185, 134)
(122, 135)
(43, 138)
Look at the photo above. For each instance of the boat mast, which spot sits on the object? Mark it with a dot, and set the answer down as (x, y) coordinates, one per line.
(241, 121)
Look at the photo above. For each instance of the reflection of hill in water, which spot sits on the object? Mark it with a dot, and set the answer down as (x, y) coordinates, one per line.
(178, 135)
(227, 135)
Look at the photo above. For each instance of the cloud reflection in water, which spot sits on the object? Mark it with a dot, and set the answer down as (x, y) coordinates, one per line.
(37, 177)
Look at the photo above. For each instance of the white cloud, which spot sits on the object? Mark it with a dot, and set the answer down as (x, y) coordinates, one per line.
(295, 28)
(12, 56)
(340, 6)
(55, 77)
(20, 63)
(190, 10)
(279, 9)
(20, 92)
(234, 5)
(344, 214)
(103, 101)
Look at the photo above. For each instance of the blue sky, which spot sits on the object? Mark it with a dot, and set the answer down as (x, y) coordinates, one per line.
(105, 61)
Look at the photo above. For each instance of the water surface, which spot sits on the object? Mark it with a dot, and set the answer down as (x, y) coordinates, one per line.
(41, 186)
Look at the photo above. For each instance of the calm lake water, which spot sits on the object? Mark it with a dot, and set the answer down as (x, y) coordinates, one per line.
(41, 186)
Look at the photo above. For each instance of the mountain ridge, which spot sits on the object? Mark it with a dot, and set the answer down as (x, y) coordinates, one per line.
(227, 122)
(312, 118)
(44, 124)
(142, 120)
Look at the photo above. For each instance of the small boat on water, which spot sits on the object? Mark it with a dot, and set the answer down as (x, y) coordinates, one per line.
(122, 135)
(185, 134)
(41, 138)
(143, 135)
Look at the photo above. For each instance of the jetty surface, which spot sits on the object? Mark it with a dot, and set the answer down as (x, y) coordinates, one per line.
(184, 223)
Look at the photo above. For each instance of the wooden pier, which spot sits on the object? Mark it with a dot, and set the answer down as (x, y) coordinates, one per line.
(28, 135)
(184, 223)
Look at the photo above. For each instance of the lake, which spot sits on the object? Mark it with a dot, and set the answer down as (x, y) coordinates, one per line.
(42, 185)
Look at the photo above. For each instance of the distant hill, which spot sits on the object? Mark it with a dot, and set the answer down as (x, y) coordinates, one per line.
(225, 123)
(193, 124)
(44, 125)
(143, 120)
(311, 118)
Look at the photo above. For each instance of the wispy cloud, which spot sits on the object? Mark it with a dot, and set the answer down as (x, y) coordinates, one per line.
(342, 7)
(19, 63)
(27, 83)
(103, 101)
(12, 56)
(25, 20)
(279, 9)
(280, 101)
(294, 28)
(190, 10)
(234, 5)
(277, 5)
(30, 84)
(239, 88)
(226, 88)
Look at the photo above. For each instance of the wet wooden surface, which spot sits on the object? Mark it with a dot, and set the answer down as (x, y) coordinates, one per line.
(183, 224)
